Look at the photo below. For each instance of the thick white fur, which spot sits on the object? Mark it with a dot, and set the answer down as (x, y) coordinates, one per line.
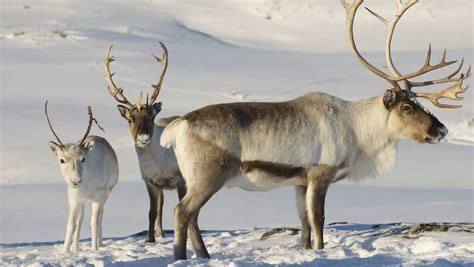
(95, 179)
(358, 139)
(168, 135)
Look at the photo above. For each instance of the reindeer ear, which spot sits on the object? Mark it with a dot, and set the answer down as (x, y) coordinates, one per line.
(124, 111)
(54, 147)
(156, 108)
(389, 99)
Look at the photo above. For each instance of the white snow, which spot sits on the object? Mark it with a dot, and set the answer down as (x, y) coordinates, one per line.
(222, 51)
(346, 245)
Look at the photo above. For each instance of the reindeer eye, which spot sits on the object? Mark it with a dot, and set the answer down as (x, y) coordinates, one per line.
(83, 159)
(406, 108)
(62, 161)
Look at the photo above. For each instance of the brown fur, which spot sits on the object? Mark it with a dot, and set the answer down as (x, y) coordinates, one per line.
(416, 122)
(277, 169)
(319, 179)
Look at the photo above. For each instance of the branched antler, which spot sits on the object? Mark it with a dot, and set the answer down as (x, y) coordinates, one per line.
(403, 6)
(446, 79)
(157, 86)
(117, 93)
(351, 10)
(448, 93)
(427, 67)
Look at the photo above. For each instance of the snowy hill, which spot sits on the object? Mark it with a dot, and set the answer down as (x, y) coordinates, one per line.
(223, 51)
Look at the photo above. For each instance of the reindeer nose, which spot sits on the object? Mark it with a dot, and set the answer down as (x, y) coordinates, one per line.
(443, 131)
(143, 138)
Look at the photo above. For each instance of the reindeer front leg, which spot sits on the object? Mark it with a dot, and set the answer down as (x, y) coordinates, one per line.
(77, 226)
(95, 227)
(71, 224)
(303, 214)
(99, 226)
(318, 183)
(159, 212)
(152, 213)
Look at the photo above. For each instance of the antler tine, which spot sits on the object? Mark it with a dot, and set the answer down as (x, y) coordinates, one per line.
(449, 93)
(351, 10)
(116, 93)
(446, 79)
(49, 123)
(382, 19)
(89, 110)
(427, 67)
(162, 61)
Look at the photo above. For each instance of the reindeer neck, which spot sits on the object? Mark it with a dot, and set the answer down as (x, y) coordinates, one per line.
(377, 150)
(147, 155)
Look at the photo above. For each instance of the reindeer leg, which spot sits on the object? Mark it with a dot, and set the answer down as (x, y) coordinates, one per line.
(159, 211)
(152, 195)
(303, 214)
(99, 226)
(193, 229)
(211, 167)
(77, 229)
(96, 207)
(196, 238)
(71, 225)
(318, 184)
(188, 209)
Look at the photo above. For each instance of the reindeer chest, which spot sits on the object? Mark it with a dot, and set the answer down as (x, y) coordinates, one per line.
(160, 177)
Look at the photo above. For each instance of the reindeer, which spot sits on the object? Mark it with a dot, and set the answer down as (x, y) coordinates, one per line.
(158, 165)
(309, 142)
(90, 168)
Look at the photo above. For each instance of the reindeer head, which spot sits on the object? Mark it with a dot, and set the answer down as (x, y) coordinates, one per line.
(73, 156)
(407, 118)
(140, 117)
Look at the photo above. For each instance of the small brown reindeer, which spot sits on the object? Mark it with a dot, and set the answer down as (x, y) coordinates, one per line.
(158, 165)
(309, 142)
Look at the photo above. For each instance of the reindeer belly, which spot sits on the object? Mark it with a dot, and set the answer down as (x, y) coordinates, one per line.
(264, 176)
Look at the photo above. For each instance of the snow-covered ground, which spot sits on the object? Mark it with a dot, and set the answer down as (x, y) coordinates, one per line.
(223, 51)
(346, 245)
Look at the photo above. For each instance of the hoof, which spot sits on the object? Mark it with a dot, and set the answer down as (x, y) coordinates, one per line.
(160, 235)
(150, 240)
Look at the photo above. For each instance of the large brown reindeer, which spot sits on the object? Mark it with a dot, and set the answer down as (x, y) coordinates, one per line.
(309, 142)
(158, 165)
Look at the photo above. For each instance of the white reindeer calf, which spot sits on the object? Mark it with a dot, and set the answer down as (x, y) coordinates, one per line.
(90, 169)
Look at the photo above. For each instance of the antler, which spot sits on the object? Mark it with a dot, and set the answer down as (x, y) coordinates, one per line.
(446, 79)
(449, 93)
(117, 93)
(396, 77)
(49, 123)
(402, 8)
(89, 110)
(351, 10)
(427, 67)
(157, 86)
